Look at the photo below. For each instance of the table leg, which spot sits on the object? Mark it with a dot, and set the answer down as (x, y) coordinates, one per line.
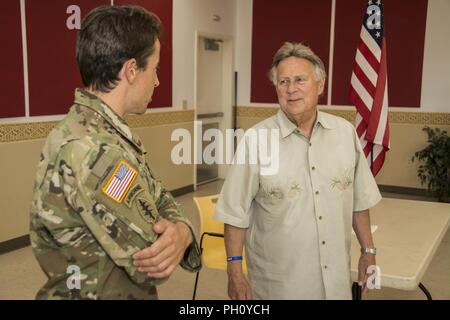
(427, 293)
(356, 291)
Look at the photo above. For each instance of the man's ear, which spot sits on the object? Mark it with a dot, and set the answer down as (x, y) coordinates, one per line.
(321, 86)
(129, 70)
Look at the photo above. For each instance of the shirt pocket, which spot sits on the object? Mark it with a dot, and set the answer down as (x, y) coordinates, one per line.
(342, 178)
(271, 191)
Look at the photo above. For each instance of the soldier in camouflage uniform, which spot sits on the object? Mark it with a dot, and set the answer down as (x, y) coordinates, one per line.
(102, 226)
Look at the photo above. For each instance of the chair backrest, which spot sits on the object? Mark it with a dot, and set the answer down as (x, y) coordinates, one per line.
(214, 254)
(206, 206)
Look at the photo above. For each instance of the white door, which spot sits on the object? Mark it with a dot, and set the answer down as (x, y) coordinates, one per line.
(214, 105)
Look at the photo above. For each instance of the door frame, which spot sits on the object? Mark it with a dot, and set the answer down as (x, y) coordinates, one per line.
(227, 91)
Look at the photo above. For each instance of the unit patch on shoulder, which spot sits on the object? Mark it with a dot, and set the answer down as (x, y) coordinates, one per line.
(120, 181)
(147, 210)
(134, 191)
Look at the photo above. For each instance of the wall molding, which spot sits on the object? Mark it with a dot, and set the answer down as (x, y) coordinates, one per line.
(160, 118)
(423, 118)
(40, 130)
(183, 190)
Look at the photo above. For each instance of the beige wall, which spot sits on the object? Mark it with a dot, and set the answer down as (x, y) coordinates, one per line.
(18, 161)
(406, 139)
(158, 145)
(17, 170)
(406, 135)
(192, 17)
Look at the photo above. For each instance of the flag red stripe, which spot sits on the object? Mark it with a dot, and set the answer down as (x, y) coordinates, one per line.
(365, 81)
(378, 98)
(361, 107)
(367, 149)
(373, 121)
(371, 59)
(361, 128)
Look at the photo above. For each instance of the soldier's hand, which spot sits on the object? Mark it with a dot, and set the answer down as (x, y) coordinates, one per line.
(162, 257)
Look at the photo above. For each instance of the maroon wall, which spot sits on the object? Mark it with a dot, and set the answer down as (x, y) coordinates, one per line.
(11, 85)
(277, 21)
(52, 69)
(405, 37)
(162, 96)
(309, 22)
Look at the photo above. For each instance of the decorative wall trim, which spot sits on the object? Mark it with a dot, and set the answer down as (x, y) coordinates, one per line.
(40, 130)
(251, 112)
(25, 131)
(160, 118)
(424, 118)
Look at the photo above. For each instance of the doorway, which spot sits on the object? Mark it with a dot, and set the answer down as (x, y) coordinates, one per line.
(213, 100)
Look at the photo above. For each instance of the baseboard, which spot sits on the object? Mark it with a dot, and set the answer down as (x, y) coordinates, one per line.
(14, 244)
(24, 241)
(405, 190)
(182, 191)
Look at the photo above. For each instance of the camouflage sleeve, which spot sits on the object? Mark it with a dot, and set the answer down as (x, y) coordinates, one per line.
(169, 209)
(110, 195)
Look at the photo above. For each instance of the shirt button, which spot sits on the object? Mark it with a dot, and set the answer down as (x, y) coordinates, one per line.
(317, 192)
(320, 217)
(310, 144)
(323, 242)
(325, 267)
(313, 168)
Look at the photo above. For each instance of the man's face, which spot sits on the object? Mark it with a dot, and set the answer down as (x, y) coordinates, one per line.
(297, 88)
(146, 81)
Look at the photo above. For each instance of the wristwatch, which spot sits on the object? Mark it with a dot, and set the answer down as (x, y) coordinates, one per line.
(369, 250)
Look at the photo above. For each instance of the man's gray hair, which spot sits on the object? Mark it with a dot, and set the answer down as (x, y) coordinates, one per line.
(293, 49)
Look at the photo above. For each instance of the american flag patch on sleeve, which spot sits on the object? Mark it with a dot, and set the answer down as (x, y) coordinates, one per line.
(120, 182)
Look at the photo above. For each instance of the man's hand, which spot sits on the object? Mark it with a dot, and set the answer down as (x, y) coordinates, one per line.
(365, 261)
(162, 257)
(238, 286)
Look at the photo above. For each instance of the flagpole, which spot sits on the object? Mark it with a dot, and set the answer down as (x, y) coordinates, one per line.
(371, 157)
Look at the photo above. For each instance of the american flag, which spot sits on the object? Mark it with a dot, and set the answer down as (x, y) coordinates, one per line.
(120, 182)
(368, 90)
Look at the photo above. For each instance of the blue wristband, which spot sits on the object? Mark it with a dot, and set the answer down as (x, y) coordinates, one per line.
(234, 258)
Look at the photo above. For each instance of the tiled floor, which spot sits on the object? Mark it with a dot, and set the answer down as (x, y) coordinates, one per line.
(21, 277)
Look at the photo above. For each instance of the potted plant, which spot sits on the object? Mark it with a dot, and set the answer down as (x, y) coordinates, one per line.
(434, 159)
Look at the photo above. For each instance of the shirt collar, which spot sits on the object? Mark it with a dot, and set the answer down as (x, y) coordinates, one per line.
(287, 127)
(87, 99)
(322, 119)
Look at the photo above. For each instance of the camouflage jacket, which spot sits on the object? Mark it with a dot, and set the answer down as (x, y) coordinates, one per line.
(95, 201)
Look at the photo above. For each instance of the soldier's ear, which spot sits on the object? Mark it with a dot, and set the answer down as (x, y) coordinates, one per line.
(129, 71)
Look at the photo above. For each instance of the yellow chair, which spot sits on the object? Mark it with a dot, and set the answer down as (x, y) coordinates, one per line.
(212, 248)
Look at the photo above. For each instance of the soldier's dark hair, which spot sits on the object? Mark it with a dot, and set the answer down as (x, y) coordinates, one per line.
(111, 35)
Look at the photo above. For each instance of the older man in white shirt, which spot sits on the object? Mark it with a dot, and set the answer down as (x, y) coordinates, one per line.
(296, 224)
